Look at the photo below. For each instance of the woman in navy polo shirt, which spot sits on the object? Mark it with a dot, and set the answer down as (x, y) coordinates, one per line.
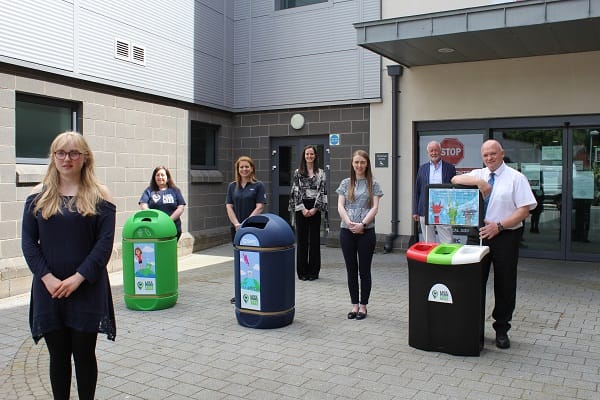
(245, 196)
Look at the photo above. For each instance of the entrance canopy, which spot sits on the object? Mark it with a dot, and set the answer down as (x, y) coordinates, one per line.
(509, 30)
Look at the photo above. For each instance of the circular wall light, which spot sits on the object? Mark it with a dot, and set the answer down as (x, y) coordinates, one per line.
(297, 121)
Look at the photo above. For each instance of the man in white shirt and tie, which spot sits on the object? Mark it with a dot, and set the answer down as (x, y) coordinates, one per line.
(509, 202)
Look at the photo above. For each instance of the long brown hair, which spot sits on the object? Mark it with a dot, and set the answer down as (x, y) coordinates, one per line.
(170, 182)
(89, 193)
(368, 176)
(238, 177)
(303, 169)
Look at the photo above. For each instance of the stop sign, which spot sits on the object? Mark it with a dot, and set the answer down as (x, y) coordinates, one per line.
(453, 150)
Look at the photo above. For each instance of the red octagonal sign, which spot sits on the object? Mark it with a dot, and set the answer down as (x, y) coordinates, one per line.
(452, 150)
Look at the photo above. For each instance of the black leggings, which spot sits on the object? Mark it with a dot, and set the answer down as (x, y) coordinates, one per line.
(358, 253)
(82, 346)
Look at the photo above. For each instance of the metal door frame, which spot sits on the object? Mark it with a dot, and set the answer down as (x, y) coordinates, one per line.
(299, 142)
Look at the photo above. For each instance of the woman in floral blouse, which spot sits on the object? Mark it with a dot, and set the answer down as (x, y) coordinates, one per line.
(308, 199)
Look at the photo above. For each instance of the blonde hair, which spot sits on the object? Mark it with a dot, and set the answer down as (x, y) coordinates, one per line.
(238, 177)
(89, 193)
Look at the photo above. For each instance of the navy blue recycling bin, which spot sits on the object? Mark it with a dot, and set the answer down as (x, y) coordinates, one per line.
(264, 269)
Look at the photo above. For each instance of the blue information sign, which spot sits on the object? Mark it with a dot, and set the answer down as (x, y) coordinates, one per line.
(334, 139)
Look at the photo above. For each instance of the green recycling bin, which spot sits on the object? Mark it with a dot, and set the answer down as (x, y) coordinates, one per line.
(150, 261)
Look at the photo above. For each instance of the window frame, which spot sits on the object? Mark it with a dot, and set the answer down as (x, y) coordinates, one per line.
(76, 121)
(197, 127)
(280, 5)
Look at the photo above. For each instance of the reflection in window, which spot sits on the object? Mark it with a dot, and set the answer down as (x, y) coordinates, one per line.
(203, 147)
(285, 4)
(37, 122)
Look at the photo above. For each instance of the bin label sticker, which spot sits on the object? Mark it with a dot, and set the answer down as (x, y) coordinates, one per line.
(440, 293)
(249, 240)
(250, 280)
(144, 264)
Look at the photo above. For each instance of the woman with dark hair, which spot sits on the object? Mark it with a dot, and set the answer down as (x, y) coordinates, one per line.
(358, 203)
(308, 199)
(67, 240)
(164, 195)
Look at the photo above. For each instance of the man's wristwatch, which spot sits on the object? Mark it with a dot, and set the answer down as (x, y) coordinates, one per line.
(500, 226)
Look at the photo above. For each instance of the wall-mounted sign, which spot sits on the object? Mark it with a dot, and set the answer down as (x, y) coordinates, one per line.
(334, 139)
(381, 160)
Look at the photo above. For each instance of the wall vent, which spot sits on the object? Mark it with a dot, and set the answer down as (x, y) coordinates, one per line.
(125, 50)
(138, 54)
(121, 49)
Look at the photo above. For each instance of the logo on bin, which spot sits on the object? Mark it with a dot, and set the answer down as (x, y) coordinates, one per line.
(440, 293)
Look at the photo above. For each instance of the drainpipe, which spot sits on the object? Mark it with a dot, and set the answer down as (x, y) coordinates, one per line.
(395, 71)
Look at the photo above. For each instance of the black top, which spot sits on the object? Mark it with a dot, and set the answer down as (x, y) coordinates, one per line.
(64, 244)
(244, 199)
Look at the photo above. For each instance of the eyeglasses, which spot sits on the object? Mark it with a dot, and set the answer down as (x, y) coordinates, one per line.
(73, 155)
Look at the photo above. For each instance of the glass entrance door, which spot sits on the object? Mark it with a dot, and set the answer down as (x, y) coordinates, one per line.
(285, 158)
(583, 193)
(562, 167)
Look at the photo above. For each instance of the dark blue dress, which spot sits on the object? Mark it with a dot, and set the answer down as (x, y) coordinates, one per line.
(64, 244)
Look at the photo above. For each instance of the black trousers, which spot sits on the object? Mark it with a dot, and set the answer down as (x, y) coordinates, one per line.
(308, 245)
(358, 253)
(504, 254)
(62, 345)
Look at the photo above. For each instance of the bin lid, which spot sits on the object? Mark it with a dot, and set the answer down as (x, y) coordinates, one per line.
(470, 254)
(420, 250)
(149, 224)
(442, 254)
(267, 230)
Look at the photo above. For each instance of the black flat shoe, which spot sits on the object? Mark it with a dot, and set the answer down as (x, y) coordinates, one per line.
(502, 341)
(311, 278)
(303, 278)
(361, 315)
(351, 315)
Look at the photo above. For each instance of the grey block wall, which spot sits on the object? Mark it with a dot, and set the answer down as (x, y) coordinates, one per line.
(130, 133)
(253, 133)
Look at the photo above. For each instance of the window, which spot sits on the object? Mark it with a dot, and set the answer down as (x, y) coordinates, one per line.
(285, 4)
(37, 122)
(203, 147)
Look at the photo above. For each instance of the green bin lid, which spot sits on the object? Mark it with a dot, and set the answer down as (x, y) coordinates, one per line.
(443, 253)
(149, 224)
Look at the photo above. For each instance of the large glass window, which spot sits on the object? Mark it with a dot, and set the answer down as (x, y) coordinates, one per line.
(37, 122)
(285, 4)
(203, 148)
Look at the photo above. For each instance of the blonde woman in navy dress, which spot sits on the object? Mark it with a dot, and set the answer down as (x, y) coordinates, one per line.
(358, 203)
(67, 241)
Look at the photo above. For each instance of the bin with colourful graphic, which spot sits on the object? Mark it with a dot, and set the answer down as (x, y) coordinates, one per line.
(446, 309)
(150, 280)
(264, 269)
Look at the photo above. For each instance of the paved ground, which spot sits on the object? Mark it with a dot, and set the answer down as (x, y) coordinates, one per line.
(197, 350)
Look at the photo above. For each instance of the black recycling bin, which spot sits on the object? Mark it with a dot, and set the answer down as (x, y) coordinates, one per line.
(264, 269)
(445, 297)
